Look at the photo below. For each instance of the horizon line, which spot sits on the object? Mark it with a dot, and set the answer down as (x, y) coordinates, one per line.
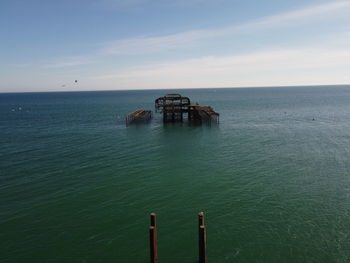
(238, 87)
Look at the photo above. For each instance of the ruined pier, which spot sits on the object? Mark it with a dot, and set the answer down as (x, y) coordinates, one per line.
(175, 107)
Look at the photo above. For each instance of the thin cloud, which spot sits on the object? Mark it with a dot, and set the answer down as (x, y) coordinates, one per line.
(132, 4)
(121, 4)
(189, 39)
(21, 65)
(68, 62)
(317, 11)
(185, 39)
(152, 44)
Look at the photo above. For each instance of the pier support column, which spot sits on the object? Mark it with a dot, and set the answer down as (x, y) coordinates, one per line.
(202, 239)
(153, 239)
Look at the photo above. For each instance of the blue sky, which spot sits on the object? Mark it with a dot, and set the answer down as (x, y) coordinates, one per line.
(144, 44)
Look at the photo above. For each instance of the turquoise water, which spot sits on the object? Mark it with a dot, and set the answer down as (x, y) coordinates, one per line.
(77, 185)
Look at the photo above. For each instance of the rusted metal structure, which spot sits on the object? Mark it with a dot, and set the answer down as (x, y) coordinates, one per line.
(175, 107)
(138, 116)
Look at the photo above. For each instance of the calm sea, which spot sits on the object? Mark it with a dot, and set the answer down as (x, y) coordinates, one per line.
(77, 185)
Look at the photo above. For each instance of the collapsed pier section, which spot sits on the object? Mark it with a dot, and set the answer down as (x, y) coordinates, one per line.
(138, 116)
(203, 114)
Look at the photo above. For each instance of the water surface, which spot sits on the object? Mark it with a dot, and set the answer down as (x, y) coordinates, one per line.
(77, 185)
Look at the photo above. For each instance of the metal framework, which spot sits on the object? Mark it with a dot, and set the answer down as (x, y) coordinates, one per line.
(174, 107)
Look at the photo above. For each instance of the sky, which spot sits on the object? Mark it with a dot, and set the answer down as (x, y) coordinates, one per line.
(46, 45)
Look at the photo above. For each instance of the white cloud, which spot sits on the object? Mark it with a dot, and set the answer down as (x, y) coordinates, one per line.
(183, 39)
(190, 39)
(326, 63)
(155, 44)
(275, 67)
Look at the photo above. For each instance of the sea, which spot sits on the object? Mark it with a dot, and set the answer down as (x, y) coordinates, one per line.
(272, 177)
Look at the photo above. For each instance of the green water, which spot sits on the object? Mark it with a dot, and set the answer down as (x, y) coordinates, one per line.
(77, 185)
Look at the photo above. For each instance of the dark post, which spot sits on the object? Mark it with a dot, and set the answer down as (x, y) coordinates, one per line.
(202, 245)
(153, 238)
(201, 239)
(153, 244)
(153, 219)
(200, 219)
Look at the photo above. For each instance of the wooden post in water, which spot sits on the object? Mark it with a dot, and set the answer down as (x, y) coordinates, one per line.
(153, 239)
(201, 239)
(202, 245)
